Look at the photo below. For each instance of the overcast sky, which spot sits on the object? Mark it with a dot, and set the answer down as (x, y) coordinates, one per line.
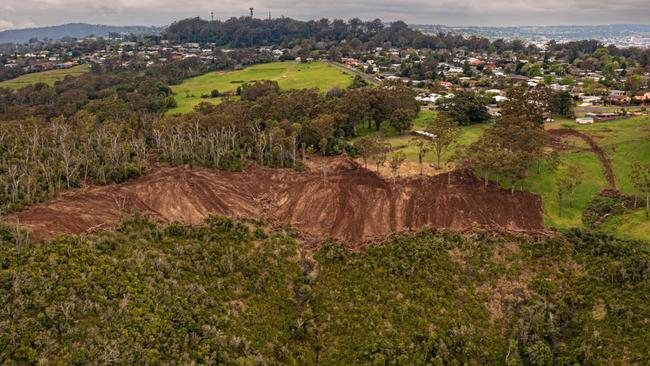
(30, 13)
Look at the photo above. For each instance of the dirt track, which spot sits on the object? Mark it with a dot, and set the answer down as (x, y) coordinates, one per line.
(353, 205)
(600, 154)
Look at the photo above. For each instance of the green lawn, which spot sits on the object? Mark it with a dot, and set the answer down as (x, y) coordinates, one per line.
(47, 77)
(468, 135)
(289, 75)
(387, 131)
(624, 141)
(545, 182)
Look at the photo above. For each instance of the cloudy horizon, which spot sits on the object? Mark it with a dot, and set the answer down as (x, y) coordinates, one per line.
(37, 13)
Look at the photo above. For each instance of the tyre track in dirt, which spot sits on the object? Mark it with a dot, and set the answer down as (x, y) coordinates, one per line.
(597, 150)
(353, 205)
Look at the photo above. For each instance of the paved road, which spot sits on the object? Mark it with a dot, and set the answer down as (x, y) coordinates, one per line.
(369, 78)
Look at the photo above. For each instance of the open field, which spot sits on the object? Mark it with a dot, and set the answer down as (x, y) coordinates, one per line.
(47, 77)
(624, 142)
(468, 135)
(630, 225)
(545, 183)
(289, 75)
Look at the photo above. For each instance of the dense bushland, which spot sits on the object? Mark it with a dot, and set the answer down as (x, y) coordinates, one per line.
(229, 293)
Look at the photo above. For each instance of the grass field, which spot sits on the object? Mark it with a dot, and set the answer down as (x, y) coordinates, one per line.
(47, 77)
(468, 135)
(545, 183)
(624, 141)
(289, 75)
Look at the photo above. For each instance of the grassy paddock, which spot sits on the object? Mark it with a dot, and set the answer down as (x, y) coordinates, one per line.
(289, 75)
(47, 77)
(545, 184)
(468, 135)
(624, 141)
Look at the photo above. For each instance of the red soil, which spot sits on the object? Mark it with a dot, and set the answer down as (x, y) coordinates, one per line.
(352, 204)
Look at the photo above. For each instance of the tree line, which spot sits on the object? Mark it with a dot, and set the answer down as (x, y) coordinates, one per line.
(253, 32)
(113, 138)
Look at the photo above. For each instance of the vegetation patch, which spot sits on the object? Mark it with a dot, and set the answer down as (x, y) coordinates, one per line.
(220, 293)
(606, 203)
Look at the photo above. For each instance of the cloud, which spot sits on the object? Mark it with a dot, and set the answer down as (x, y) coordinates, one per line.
(6, 24)
(16, 13)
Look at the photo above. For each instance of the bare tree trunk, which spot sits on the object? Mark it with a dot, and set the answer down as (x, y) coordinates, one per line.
(293, 150)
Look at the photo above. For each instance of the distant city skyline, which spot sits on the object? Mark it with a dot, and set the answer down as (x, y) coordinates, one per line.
(36, 13)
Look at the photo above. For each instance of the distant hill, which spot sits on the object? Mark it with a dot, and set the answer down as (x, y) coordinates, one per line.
(75, 30)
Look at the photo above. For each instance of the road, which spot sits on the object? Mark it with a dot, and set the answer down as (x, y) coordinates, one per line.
(369, 78)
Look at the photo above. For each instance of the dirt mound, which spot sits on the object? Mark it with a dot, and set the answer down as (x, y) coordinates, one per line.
(600, 153)
(347, 202)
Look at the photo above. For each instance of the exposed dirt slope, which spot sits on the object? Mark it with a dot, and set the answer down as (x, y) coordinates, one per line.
(353, 204)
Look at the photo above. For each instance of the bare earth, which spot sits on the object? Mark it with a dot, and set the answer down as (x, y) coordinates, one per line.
(352, 204)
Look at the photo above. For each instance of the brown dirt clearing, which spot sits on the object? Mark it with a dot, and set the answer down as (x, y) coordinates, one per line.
(351, 204)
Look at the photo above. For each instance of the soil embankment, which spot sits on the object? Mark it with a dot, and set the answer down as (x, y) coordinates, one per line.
(351, 204)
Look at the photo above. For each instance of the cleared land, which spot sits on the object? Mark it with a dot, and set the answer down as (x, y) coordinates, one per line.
(623, 142)
(47, 77)
(289, 75)
(352, 204)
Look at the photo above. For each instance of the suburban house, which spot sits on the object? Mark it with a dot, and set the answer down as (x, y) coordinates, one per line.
(643, 98)
(584, 120)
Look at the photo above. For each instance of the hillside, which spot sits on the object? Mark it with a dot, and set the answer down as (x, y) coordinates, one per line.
(75, 30)
(224, 293)
(49, 77)
(350, 203)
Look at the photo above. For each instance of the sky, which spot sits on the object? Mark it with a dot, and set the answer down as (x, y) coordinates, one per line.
(35, 13)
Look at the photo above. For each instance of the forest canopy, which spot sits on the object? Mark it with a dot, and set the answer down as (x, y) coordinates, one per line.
(230, 292)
